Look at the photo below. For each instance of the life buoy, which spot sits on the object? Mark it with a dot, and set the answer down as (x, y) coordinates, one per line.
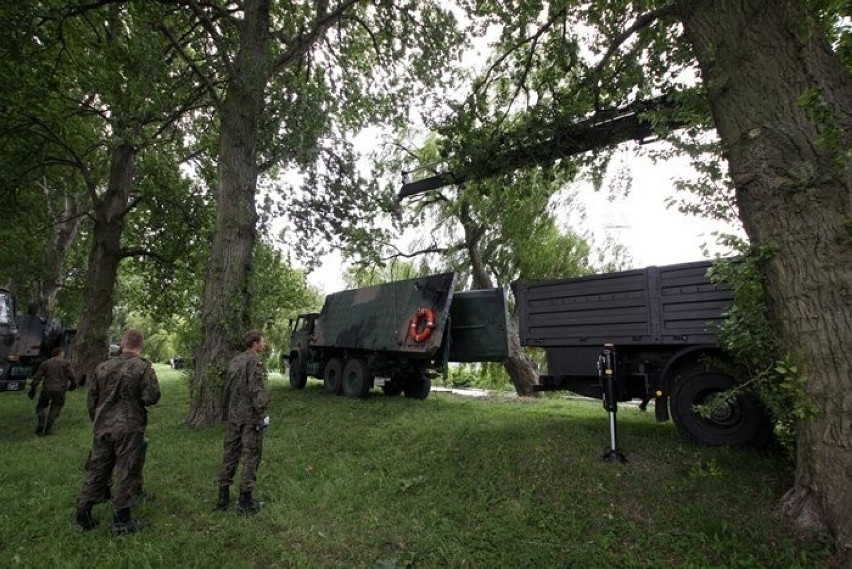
(424, 317)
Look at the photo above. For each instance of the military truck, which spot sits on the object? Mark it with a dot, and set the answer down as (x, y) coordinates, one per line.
(25, 342)
(660, 322)
(397, 336)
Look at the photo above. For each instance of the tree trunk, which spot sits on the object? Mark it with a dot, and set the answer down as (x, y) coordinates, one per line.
(64, 233)
(521, 368)
(759, 58)
(91, 346)
(226, 302)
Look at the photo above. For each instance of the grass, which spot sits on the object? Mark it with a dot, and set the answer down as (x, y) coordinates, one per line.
(391, 483)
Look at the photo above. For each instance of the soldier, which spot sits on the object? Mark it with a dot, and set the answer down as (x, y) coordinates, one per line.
(121, 389)
(58, 378)
(244, 408)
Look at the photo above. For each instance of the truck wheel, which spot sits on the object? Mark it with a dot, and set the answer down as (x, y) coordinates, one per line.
(332, 375)
(357, 378)
(418, 387)
(298, 376)
(740, 422)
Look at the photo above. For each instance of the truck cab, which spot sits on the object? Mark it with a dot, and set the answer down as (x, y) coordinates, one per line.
(26, 340)
(301, 333)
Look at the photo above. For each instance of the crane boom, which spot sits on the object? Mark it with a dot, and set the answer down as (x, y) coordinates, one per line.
(604, 128)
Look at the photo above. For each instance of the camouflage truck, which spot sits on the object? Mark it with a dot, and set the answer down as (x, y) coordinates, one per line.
(25, 342)
(397, 336)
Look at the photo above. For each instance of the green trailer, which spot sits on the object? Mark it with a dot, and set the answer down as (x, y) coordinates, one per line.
(397, 336)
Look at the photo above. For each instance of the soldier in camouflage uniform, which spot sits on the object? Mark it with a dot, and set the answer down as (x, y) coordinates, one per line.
(120, 391)
(244, 408)
(58, 378)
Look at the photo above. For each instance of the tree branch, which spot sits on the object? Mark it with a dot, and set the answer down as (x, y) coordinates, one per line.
(205, 80)
(302, 44)
(642, 21)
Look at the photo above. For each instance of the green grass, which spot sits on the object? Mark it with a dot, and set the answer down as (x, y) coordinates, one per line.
(391, 482)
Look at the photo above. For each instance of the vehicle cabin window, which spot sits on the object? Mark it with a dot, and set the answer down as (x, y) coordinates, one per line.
(5, 308)
(305, 324)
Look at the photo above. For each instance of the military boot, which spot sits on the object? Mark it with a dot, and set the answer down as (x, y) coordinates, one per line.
(248, 505)
(224, 498)
(40, 427)
(122, 523)
(48, 428)
(84, 520)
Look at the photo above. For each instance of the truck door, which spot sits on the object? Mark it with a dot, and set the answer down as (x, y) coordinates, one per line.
(479, 326)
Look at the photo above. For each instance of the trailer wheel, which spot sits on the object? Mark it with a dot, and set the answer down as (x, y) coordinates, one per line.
(418, 387)
(740, 422)
(298, 376)
(332, 375)
(357, 378)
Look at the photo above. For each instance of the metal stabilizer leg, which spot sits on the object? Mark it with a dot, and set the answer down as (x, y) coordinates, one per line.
(608, 377)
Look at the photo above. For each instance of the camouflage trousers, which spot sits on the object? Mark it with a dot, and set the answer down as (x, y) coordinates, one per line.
(50, 403)
(243, 443)
(120, 453)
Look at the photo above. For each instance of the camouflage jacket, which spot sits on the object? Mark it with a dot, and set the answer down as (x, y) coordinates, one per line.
(244, 400)
(121, 390)
(56, 373)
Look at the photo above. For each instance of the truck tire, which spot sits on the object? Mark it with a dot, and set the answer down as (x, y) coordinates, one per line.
(418, 387)
(298, 375)
(357, 378)
(741, 422)
(333, 375)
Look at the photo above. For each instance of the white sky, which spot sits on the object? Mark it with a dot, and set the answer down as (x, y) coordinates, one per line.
(641, 221)
(654, 234)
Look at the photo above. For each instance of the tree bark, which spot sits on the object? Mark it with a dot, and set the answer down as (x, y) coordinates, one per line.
(91, 345)
(226, 302)
(791, 170)
(64, 232)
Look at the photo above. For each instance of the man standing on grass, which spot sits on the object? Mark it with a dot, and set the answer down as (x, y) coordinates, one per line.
(244, 408)
(58, 378)
(120, 391)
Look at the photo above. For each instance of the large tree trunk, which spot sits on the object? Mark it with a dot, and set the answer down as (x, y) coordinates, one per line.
(225, 306)
(64, 232)
(91, 346)
(791, 172)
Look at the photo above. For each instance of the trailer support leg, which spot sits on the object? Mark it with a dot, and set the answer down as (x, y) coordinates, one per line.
(608, 377)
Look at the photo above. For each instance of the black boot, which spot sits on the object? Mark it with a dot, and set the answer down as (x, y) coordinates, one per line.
(122, 523)
(84, 520)
(248, 505)
(48, 428)
(40, 427)
(224, 498)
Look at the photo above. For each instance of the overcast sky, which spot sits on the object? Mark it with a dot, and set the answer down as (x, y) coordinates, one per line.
(654, 234)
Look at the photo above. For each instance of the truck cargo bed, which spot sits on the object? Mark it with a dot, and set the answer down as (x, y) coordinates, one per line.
(673, 304)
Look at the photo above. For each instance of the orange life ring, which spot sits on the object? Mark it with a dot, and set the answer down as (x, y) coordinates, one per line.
(426, 317)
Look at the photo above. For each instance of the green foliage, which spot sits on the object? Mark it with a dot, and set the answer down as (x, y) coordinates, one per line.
(395, 270)
(748, 336)
(278, 293)
(488, 375)
(162, 340)
(391, 482)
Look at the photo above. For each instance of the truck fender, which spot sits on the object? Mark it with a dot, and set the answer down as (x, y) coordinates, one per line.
(681, 359)
(684, 357)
